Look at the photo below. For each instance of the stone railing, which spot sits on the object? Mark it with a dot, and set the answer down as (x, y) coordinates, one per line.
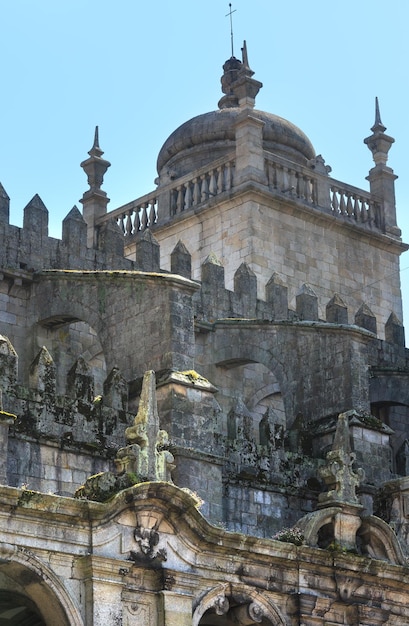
(305, 184)
(354, 203)
(136, 216)
(176, 197)
(319, 190)
(207, 183)
(291, 179)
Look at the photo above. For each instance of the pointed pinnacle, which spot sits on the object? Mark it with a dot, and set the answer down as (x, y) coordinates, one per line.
(378, 126)
(341, 439)
(96, 150)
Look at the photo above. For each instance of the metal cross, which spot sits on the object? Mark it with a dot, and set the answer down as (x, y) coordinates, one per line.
(230, 13)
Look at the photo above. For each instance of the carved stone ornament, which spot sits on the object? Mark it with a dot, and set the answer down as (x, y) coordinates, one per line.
(337, 472)
(256, 612)
(148, 540)
(221, 605)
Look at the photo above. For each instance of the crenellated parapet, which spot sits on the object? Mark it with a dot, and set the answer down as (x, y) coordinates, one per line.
(31, 248)
(214, 301)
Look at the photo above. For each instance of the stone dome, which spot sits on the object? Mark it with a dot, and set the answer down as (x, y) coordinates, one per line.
(209, 136)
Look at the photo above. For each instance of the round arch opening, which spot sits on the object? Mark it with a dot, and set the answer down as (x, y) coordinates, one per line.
(29, 596)
(240, 607)
(18, 610)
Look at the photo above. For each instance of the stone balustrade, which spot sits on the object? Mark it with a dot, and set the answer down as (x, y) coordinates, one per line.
(137, 215)
(206, 184)
(306, 185)
(170, 200)
(348, 201)
(283, 176)
(291, 179)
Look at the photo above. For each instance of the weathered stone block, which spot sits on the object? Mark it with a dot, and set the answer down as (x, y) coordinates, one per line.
(307, 304)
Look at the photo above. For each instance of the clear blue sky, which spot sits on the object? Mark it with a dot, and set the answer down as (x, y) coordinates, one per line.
(140, 69)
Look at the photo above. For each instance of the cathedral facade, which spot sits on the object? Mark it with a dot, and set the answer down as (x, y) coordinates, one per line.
(203, 407)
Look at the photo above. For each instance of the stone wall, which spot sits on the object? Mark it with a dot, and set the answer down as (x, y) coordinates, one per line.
(301, 246)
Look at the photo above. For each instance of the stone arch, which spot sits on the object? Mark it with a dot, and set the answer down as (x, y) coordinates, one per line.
(67, 339)
(256, 386)
(263, 392)
(241, 347)
(226, 604)
(40, 589)
(317, 527)
(374, 537)
(378, 541)
(300, 354)
(392, 387)
(18, 610)
(389, 397)
(236, 347)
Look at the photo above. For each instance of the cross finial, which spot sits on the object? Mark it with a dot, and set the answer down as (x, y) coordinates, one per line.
(229, 14)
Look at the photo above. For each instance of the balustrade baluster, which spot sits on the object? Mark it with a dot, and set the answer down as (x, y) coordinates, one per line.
(143, 218)
(293, 182)
(275, 176)
(342, 208)
(147, 209)
(307, 189)
(272, 176)
(219, 181)
(154, 211)
(188, 196)
(212, 184)
(349, 206)
(128, 227)
(279, 178)
(334, 201)
(205, 189)
(299, 192)
(228, 176)
(179, 200)
(357, 210)
(370, 214)
(285, 184)
(121, 223)
(314, 191)
(173, 198)
(196, 192)
(136, 221)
